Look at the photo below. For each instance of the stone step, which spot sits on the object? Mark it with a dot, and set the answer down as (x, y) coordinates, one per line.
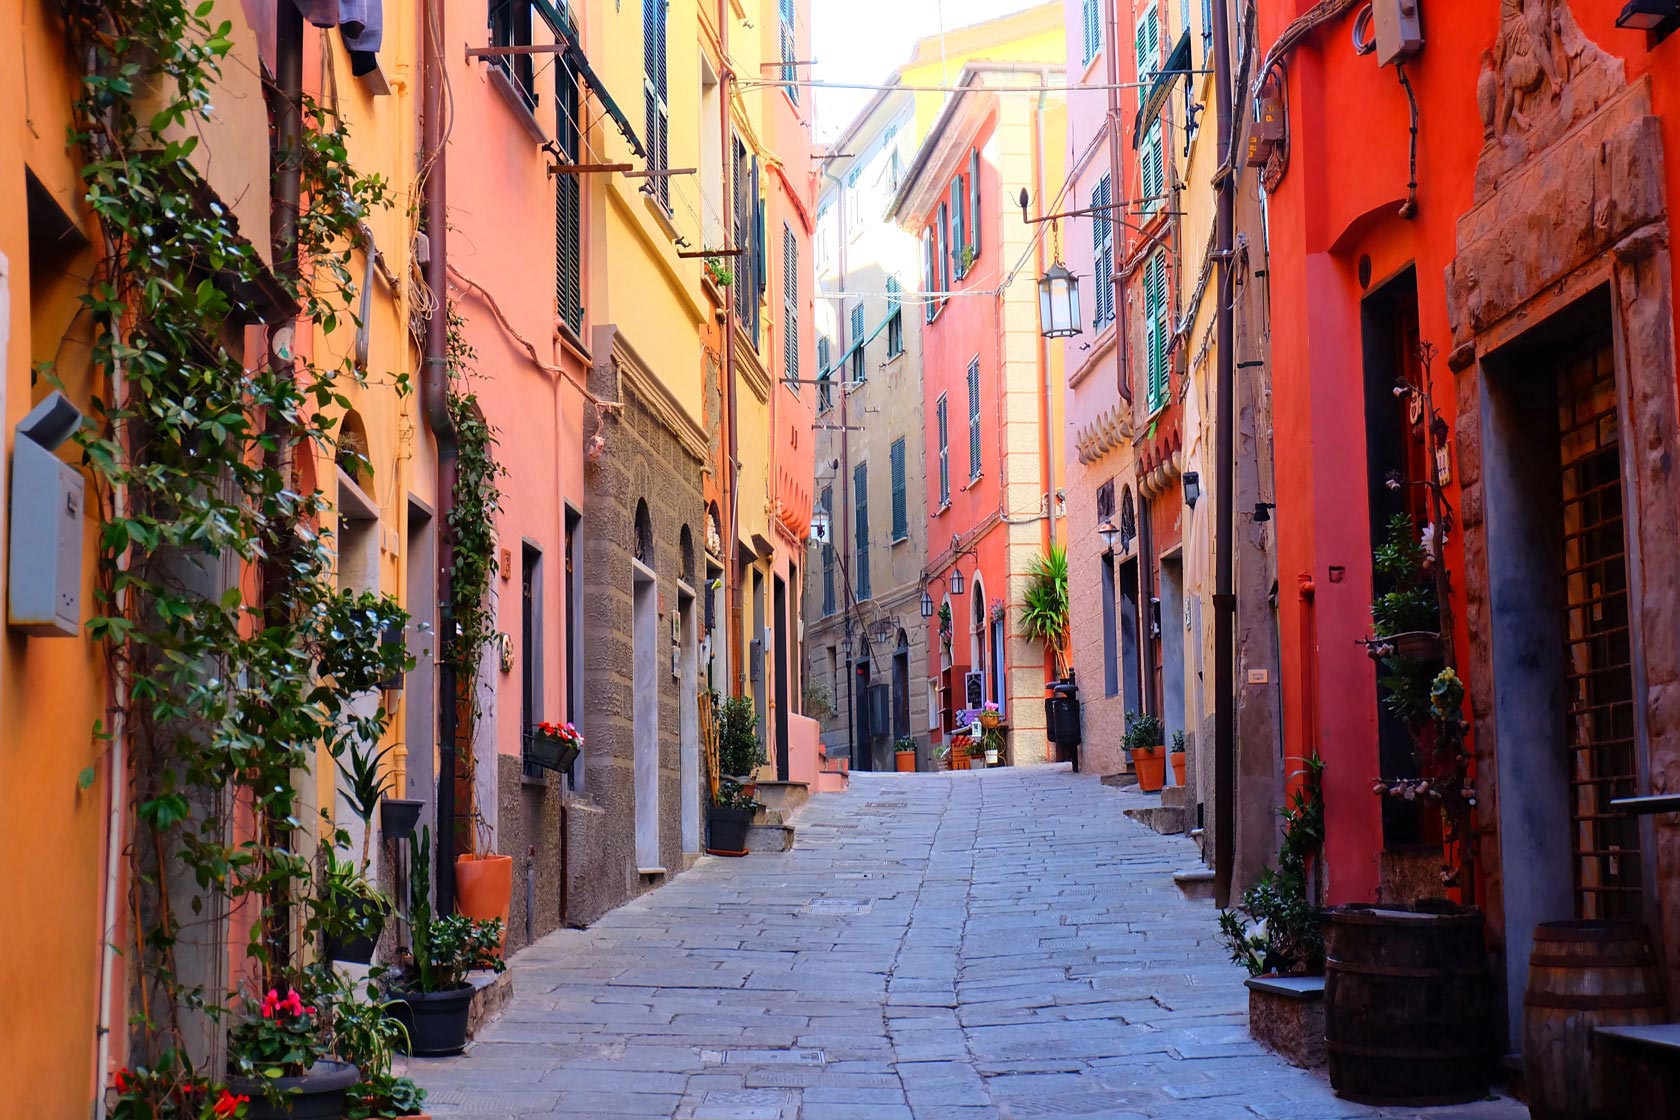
(787, 796)
(832, 781)
(770, 815)
(770, 838)
(1123, 780)
(1168, 820)
(492, 992)
(1175, 797)
(1195, 882)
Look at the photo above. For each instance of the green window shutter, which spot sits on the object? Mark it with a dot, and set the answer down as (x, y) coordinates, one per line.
(893, 293)
(1155, 330)
(860, 515)
(974, 202)
(1092, 29)
(959, 225)
(1207, 29)
(790, 72)
(974, 419)
(900, 507)
(1152, 170)
(944, 248)
(828, 552)
(568, 210)
(790, 306)
(1148, 43)
(943, 423)
(927, 274)
(1102, 252)
(823, 355)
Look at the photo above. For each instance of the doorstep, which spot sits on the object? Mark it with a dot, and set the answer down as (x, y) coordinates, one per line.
(770, 838)
(786, 796)
(492, 992)
(1195, 882)
(1286, 1015)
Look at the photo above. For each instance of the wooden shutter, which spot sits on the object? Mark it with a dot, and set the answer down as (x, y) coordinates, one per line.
(1092, 29)
(790, 72)
(959, 225)
(1148, 45)
(823, 355)
(974, 419)
(860, 516)
(1155, 330)
(943, 421)
(657, 95)
(1152, 171)
(568, 199)
(900, 505)
(790, 306)
(1102, 251)
(944, 250)
(974, 202)
(828, 552)
(927, 274)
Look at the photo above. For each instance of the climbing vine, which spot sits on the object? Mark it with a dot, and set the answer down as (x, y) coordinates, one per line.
(230, 649)
(472, 523)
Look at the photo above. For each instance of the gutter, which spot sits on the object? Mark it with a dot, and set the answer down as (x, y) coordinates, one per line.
(434, 401)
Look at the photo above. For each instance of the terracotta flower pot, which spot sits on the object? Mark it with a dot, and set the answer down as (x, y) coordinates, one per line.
(1178, 768)
(905, 761)
(484, 888)
(1151, 766)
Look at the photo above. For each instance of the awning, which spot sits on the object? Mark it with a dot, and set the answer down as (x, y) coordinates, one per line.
(579, 62)
(1178, 65)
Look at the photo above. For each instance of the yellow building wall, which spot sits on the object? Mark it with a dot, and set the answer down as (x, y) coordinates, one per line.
(1035, 35)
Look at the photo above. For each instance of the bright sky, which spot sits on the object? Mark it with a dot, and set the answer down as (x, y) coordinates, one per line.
(865, 40)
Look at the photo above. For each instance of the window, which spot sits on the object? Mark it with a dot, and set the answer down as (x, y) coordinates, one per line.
(1183, 18)
(824, 353)
(1092, 40)
(859, 372)
(942, 422)
(530, 645)
(1148, 45)
(790, 307)
(1102, 253)
(900, 507)
(854, 201)
(959, 223)
(860, 517)
(656, 95)
(790, 72)
(568, 201)
(930, 283)
(945, 255)
(825, 391)
(749, 235)
(974, 419)
(895, 319)
(974, 205)
(1152, 170)
(895, 160)
(828, 606)
(1156, 332)
(1207, 30)
(510, 26)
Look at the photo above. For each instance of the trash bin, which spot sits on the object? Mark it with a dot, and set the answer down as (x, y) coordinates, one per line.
(1062, 720)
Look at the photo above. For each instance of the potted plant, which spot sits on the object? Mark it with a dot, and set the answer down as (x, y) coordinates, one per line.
(977, 753)
(719, 272)
(904, 754)
(432, 998)
(1045, 606)
(1176, 756)
(398, 816)
(166, 1092)
(740, 753)
(356, 911)
(368, 1038)
(1406, 618)
(729, 817)
(554, 746)
(1143, 741)
(383, 1098)
(278, 1055)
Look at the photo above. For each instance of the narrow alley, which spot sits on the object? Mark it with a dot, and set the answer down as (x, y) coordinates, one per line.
(938, 947)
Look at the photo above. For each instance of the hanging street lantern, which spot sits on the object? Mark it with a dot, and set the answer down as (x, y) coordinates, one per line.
(884, 631)
(956, 581)
(1058, 303)
(927, 604)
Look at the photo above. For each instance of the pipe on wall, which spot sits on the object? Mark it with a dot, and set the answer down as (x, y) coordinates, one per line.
(1225, 523)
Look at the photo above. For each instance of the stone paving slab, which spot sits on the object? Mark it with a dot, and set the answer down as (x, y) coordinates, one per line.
(1000, 945)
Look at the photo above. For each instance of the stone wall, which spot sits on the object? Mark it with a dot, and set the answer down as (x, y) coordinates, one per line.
(1104, 716)
(644, 458)
(529, 831)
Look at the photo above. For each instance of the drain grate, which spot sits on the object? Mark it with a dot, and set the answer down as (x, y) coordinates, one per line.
(763, 1057)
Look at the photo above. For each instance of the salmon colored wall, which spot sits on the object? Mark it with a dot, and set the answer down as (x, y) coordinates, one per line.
(1337, 203)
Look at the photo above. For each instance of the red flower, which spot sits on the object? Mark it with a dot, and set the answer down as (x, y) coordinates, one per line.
(122, 1080)
(227, 1105)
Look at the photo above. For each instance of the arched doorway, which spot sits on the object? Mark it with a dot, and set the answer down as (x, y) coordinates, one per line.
(901, 687)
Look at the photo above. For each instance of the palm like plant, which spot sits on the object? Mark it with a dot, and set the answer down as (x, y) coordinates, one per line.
(1044, 608)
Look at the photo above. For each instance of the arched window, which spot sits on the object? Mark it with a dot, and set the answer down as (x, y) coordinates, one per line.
(644, 533)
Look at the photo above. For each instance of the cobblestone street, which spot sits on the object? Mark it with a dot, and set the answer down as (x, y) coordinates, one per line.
(943, 947)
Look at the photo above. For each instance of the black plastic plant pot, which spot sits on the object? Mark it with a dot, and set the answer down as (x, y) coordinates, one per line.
(435, 1022)
(319, 1094)
(727, 828)
(398, 816)
(358, 949)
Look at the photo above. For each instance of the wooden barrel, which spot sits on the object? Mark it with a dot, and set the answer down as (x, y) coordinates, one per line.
(1407, 1004)
(1583, 975)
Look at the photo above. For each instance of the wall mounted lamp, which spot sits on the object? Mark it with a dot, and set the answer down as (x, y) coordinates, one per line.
(1192, 488)
(1110, 534)
(1263, 510)
(1650, 15)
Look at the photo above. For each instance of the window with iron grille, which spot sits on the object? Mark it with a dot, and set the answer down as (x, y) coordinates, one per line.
(900, 506)
(1102, 252)
(1092, 23)
(1157, 334)
(568, 201)
(860, 519)
(790, 306)
(974, 419)
(790, 72)
(895, 319)
(828, 553)
(943, 423)
(656, 94)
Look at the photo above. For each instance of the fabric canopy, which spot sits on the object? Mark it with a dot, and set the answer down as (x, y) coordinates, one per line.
(1178, 65)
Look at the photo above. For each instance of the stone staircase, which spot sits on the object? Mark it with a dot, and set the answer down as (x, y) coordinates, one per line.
(833, 773)
(1170, 817)
(770, 830)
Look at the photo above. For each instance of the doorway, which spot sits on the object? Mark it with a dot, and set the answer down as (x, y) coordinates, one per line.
(780, 606)
(419, 685)
(644, 622)
(688, 718)
(1171, 645)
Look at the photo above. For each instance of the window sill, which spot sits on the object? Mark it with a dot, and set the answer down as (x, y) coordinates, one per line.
(896, 541)
(973, 481)
(661, 216)
(515, 102)
(942, 510)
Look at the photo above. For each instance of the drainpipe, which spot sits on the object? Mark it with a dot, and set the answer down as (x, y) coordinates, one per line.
(1114, 172)
(434, 400)
(1225, 526)
(1045, 412)
(732, 574)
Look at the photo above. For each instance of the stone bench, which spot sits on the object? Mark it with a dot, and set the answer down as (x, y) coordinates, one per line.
(1286, 1015)
(1646, 1060)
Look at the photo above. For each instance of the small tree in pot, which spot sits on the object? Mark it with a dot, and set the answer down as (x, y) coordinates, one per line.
(736, 754)
(433, 997)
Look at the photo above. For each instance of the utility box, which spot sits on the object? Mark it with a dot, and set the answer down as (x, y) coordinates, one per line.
(44, 569)
(1399, 28)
